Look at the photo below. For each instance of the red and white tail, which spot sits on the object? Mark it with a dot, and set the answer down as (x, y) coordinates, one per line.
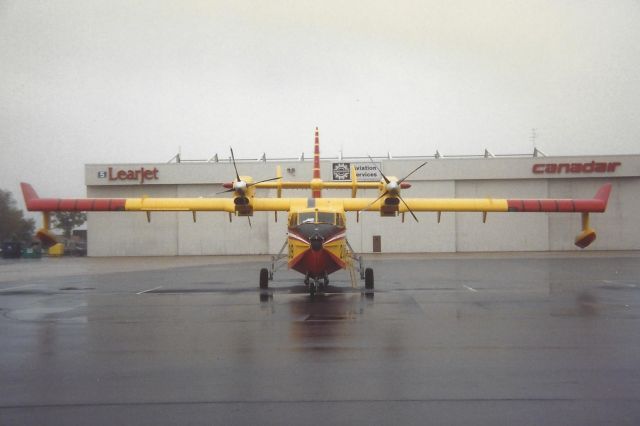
(316, 193)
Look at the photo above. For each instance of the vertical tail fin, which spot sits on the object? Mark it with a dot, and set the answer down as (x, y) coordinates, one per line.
(316, 193)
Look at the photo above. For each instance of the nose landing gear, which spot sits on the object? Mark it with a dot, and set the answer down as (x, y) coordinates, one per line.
(315, 284)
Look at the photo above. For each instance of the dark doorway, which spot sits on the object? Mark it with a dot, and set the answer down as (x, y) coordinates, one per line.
(377, 244)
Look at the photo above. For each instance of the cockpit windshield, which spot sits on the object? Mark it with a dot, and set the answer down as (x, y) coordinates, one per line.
(319, 217)
(309, 217)
(327, 218)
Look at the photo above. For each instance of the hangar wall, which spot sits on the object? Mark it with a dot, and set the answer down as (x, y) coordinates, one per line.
(170, 234)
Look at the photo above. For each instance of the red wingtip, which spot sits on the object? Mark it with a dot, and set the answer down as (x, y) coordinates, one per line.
(28, 193)
(603, 194)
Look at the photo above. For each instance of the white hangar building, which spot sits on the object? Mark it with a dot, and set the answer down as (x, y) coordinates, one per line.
(175, 233)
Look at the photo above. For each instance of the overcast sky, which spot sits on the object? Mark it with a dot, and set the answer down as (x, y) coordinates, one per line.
(131, 81)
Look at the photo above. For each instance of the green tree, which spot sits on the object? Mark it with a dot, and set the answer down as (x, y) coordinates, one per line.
(13, 225)
(67, 221)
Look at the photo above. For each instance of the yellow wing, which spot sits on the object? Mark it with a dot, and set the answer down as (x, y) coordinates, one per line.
(244, 204)
(429, 204)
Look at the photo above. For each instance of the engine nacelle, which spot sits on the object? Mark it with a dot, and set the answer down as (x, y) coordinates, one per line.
(389, 207)
(243, 206)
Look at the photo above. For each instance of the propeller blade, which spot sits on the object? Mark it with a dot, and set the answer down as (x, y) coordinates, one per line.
(234, 164)
(383, 176)
(225, 191)
(249, 218)
(408, 208)
(265, 180)
(373, 202)
(407, 176)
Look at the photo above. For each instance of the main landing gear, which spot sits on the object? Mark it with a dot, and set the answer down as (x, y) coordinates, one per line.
(366, 274)
(265, 294)
(264, 278)
(368, 279)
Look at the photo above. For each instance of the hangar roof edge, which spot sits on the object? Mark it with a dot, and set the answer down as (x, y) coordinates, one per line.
(451, 169)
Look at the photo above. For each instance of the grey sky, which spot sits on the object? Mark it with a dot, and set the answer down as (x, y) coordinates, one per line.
(130, 81)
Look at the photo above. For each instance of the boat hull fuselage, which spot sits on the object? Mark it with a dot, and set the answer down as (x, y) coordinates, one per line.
(317, 249)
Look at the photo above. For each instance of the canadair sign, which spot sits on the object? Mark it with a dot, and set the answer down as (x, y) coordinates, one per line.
(140, 175)
(575, 168)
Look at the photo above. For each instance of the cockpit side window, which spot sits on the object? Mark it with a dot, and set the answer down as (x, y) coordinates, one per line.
(293, 219)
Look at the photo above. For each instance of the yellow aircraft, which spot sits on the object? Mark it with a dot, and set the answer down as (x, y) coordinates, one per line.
(316, 245)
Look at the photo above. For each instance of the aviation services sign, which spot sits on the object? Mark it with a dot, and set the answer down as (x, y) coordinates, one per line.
(365, 172)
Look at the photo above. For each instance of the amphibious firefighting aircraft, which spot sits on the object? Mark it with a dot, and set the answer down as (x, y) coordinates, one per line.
(316, 245)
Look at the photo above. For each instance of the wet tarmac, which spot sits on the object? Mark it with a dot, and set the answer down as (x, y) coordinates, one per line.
(523, 339)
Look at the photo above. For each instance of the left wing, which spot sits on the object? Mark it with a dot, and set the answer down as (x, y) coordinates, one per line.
(597, 204)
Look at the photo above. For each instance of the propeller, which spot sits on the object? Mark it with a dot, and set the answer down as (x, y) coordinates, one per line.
(393, 187)
(239, 186)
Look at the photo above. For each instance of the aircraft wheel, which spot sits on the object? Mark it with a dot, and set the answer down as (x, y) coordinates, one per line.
(264, 278)
(264, 298)
(368, 279)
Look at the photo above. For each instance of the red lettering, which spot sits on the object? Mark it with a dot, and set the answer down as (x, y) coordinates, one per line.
(612, 166)
(538, 168)
(140, 174)
(592, 167)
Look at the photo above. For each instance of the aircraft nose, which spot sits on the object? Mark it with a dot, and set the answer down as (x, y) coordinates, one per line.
(316, 242)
